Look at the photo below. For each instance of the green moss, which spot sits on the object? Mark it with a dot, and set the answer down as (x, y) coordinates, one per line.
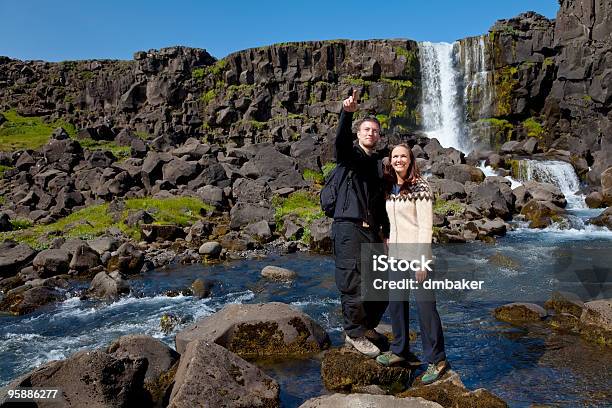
(234, 90)
(258, 125)
(87, 75)
(208, 96)
(518, 169)
(533, 128)
(3, 169)
(384, 120)
(143, 135)
(443, 207)
(217, 68)
(198, 74)
(500, 131)
(506, 81)
(356, 81)
(119, 152)
(548, 62)
(20, 132)
(311, 175)
(412, 60)
(327, 168)
(96, 220)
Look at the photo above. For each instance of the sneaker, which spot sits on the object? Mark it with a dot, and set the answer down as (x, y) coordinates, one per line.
(363, 345)
(389, 359)
(434, 372)
(374, 336)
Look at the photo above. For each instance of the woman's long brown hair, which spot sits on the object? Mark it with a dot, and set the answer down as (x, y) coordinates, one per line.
(390, 177)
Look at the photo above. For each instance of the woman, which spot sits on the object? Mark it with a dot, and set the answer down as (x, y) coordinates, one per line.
(409, 207)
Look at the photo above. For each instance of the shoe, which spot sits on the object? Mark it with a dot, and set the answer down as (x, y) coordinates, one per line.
(363, 345)
(374, 336)
(389, 359)
(434, 372)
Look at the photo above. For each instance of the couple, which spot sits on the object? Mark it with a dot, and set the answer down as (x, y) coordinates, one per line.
(379, 200)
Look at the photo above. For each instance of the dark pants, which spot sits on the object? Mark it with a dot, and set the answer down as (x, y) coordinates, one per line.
(358, 315)
(429, 322)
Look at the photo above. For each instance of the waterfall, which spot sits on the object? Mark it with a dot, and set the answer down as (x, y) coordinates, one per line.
(559, 173)
(477, 78)
(442, 103)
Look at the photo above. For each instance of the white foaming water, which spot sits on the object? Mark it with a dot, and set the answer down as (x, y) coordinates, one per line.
(442, 105)
(489, 171)
(559, 173)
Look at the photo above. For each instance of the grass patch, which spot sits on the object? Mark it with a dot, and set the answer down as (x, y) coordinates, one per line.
(443, 207)
(208, 96)
(303, 204)
(95, 220)
(311, 175)
(384, 120)
(328, 168)
(4, 168)
(19, 224)
(19, 132)
(198, 74)
(120, 152)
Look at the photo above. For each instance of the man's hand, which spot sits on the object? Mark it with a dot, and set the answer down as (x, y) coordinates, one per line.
(421, 275)
(350, 103)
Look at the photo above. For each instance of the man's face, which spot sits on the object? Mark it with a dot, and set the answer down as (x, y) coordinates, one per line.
(368, 134)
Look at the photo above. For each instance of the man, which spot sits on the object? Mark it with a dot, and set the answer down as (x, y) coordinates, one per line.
(359, 218)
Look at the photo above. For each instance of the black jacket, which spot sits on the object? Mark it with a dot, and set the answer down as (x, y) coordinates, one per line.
(364, 199)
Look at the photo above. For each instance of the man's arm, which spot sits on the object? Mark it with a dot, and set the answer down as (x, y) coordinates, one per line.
(344, 134)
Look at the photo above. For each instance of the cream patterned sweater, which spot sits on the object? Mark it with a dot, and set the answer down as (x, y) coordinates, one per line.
(411, 214)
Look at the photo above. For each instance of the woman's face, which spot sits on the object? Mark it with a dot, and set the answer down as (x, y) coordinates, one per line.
(400, 160)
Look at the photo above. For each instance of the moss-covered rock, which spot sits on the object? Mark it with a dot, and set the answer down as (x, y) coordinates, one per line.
(565, 302)
(345, 370)
(542, 214)
(520, 313)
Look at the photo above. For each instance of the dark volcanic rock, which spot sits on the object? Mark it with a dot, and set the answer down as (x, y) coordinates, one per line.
(108, 285)
(211, 373)
(51, 262)
(28, 299)
(13, 257)
(258, 330)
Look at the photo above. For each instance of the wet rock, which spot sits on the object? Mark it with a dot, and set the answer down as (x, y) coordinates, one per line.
(14, 257)
(90, 379)
(127, 259)
(28, 299)
(565, 302)
(367, 400)
(604, 219)
(596, 321)
(108, 286)
(542, 214)
(344, 370)
(277, 273)
(594, 200)
(492, 198)
(258, 330)
(51, 262)
(168, 322)
(211, 373)
(201, 288)
(449, 391)
(210, 249)
(520, 313)
(565, 322)
(533, 190)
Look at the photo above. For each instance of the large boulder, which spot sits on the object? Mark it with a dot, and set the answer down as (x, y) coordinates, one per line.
(604, 219)
(84, 258)
(493, 198)
(14, 257)
(267, 162)
(51, 262)
(463, 173)
(596, 321)
(520, 313)
(534, 190)
(108, 285)
(162, 362)
(277, 273)
(542, 214)
(5, 223)
(344, 370)
(243, 214)
(251, 191)
(179, 171)
(446, 189)
(449, 391)
(91, 379)
(565, 302)
(27, 299)
(258, 331)
(320, 235)
(367, 400)
(210, 375)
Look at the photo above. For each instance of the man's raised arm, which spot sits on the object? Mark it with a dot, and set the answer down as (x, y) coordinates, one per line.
(344, 134)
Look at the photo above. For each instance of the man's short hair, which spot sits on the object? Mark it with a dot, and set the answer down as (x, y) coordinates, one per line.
(358, 123)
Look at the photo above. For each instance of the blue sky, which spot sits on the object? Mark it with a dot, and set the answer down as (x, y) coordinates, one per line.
(80, 29)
